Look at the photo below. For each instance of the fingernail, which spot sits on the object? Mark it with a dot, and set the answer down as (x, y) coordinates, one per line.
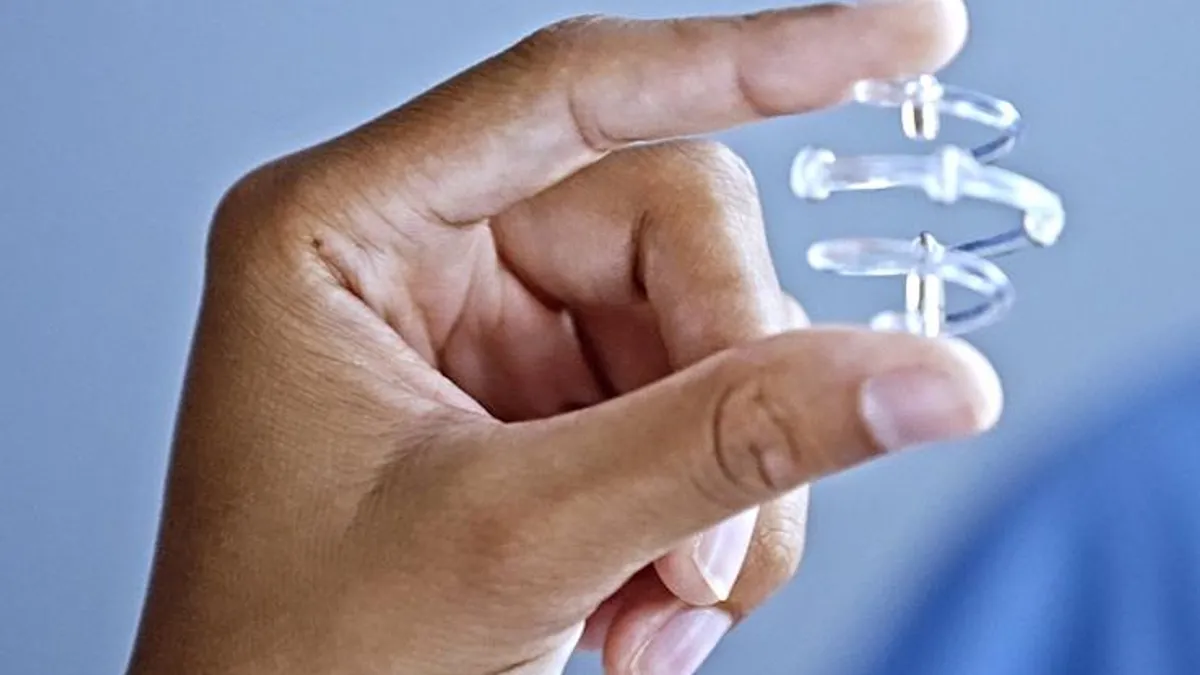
(683, 644)
(915, 406)
(721, 552)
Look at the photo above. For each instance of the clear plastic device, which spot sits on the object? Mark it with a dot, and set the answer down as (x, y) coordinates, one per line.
(946, 175)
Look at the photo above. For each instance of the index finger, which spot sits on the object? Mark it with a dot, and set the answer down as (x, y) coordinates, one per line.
(565, 96)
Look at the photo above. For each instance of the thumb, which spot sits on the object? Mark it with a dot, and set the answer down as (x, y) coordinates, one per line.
(619, 484)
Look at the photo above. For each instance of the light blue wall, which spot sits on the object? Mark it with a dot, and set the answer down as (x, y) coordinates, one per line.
(122, 121)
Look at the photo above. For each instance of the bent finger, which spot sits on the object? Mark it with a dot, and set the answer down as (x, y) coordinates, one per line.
(775, 553)
(653, 632)
(676, 228)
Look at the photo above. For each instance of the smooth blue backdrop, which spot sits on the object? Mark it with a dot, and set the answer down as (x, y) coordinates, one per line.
(122, 121)
(1091, 566)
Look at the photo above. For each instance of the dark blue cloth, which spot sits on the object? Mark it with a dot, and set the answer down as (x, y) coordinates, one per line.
(1091, 566)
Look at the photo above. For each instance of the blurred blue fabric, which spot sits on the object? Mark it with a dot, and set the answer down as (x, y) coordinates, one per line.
(1091, 566)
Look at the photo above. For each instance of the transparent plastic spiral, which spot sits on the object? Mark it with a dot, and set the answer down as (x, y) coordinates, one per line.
(946, 175)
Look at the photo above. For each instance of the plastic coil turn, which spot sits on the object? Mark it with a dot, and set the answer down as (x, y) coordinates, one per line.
(946, 175)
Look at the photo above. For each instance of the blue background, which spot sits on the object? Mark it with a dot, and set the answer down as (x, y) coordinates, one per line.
(122, 122)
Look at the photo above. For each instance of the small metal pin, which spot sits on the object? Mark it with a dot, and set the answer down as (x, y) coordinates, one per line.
(920, 115)
(925, 294)
(922, 121)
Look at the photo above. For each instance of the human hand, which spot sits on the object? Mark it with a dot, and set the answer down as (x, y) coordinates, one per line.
(489, 368)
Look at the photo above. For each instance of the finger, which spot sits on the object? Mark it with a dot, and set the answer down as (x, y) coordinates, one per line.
(645, 585)
(565, 96)
(650, 469)
(673, 228)
(658, 633)
(596, 629)
(653, 632)
(677, 268)
(775, 552)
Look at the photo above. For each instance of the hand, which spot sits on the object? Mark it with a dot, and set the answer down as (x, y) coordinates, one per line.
(489, 369)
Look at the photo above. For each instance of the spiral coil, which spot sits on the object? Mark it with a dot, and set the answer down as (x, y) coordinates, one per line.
(945, 176)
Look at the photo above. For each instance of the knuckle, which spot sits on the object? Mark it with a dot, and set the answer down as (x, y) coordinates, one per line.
(773, 559)
(564, 38)
(242, 197)
(778, 545)
(273, 189)
(713, 164)
(238, 216)
(246, 207)
(559, 53)
(753, 445)
(770, 437)
(719, 184)
(266, 211)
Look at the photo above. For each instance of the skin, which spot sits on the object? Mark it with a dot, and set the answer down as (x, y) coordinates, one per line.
(503, 374)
